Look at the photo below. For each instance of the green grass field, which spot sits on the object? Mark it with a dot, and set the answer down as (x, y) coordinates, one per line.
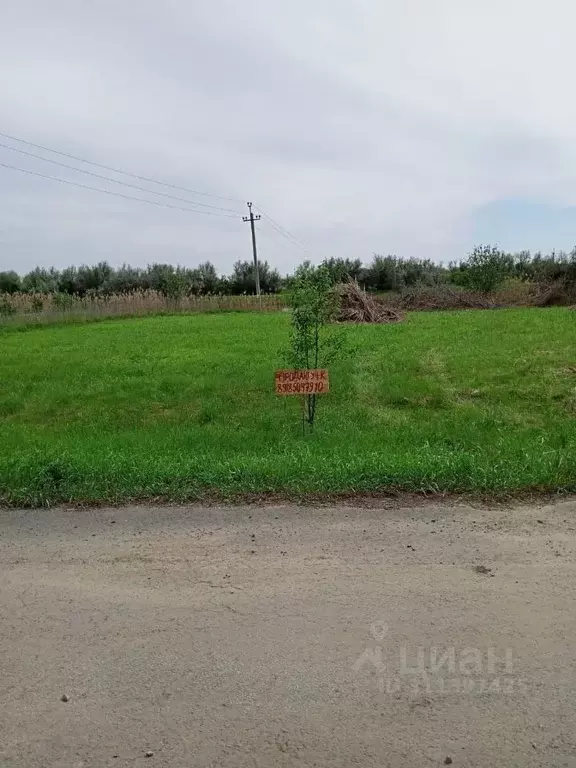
(182, 407)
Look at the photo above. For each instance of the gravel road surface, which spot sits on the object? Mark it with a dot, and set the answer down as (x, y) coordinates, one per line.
(288, 636)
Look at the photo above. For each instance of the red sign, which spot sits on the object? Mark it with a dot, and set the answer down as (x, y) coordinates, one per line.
(306, 382)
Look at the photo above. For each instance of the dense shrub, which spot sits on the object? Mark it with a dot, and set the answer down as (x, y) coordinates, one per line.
(341, 270)
(9, 282)
(390, 273)
(41, 281)
(485, 269)
(243, 278)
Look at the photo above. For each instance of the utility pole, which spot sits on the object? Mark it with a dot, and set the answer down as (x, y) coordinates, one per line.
(252, 219)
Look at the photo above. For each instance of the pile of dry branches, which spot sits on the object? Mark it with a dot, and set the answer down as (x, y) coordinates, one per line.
(556, 294)
(357, 306)
(444, 297)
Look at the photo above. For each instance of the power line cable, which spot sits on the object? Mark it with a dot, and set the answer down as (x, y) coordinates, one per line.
(279, 227)
(272, 237)
(117, 194)
(114, 181)
(301, 243)
(287, 237)
(149, 179)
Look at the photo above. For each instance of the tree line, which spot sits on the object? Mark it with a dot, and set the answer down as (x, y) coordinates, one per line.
(104, 280)
(484, 269)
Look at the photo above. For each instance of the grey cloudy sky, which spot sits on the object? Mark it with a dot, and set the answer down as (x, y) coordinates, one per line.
(406, 126)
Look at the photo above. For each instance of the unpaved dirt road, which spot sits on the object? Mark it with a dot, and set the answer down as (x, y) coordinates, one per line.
(285, 636)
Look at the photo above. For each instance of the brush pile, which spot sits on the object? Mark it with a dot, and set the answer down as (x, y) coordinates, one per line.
(357, 306)
(518, 294)
(437, 297)
(556, 294)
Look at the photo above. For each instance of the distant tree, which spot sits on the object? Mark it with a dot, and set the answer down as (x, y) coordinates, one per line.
(522, 265)
(172, 282)
(175, 285)
(390, 273)
(270, 279)
(9, 282)
(202, 280)
(164, 278)
(125, 279)
(382, 274)
(242, 279)
(208, 277)
(412, 272)
(340, 270)
(486, 268)
(571, 268)
(92, 279)
(225, 285)
(553, 267)
(84, 279)
(41, 280)
(68, 281)
(192, 281)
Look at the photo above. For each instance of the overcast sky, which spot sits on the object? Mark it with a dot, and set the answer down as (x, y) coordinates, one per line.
(415, 127)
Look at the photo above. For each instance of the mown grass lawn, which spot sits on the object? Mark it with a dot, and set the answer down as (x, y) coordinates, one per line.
(181, 407)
